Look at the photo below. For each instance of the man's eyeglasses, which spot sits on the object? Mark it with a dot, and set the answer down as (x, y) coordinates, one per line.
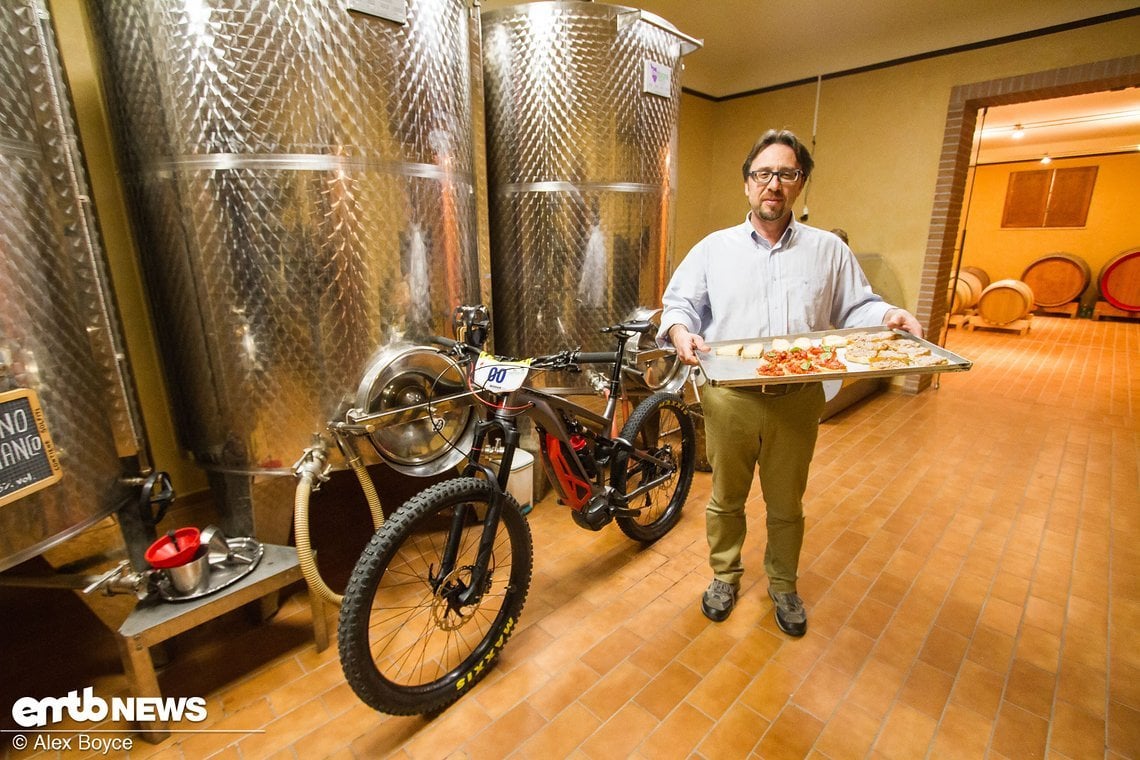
(786, 176)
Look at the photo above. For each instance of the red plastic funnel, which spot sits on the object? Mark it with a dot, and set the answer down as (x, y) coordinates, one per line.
(174, 549)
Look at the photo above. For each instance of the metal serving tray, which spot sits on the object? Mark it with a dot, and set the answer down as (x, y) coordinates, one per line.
(739, 371)
(245, 554)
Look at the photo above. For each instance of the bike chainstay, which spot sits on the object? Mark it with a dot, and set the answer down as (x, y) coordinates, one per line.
(619, 502)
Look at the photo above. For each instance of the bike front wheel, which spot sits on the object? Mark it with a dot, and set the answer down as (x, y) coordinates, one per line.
(408, 642)
(661, 427)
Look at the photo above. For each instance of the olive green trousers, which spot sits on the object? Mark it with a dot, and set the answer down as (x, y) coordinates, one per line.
(746, 430)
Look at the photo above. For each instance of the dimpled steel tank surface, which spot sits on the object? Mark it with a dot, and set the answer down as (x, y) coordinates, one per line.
(582, 102)
(304, 190)
(60, 334)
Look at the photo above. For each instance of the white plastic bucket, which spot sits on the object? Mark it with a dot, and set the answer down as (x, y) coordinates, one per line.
(521, 482)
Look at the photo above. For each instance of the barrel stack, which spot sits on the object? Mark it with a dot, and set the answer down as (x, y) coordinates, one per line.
(974, 301)
(1054, 283)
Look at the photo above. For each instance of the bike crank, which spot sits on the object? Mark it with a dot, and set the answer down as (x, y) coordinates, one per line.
(596, 515)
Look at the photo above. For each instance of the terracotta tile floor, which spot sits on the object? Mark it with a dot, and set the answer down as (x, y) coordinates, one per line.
(970, 571)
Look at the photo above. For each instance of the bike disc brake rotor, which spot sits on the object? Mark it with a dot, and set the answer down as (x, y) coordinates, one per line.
(447, 614)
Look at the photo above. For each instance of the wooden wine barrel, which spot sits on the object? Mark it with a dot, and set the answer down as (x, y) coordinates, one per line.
(1119, 280)
(1005, 301)
(958, 296)
(982, 275)
(1057, 278)
(966, 291)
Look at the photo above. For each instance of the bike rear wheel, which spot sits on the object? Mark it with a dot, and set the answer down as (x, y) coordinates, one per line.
(407, 646)
(662, 427)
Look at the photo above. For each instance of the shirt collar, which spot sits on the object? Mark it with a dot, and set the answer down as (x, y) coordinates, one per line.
(785, 240)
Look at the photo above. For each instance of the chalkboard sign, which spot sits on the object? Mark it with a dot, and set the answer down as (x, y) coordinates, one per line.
(28, 460)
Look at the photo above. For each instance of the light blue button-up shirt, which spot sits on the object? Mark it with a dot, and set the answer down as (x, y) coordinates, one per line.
(734, 285)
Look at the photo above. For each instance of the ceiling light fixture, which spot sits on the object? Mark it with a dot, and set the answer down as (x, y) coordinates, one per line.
(1046, 160)
(1018, 132)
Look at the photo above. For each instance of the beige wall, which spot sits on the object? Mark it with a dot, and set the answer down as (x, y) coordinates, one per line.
(878, 142)
(1110, 229)
(696, 169)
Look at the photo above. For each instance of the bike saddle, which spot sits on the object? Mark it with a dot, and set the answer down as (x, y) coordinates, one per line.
(640, 326)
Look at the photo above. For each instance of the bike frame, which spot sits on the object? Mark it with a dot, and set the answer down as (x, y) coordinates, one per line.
(554, 417)
(577, 446)
(550, 413)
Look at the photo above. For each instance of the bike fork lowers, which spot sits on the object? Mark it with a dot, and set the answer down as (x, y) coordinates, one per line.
(474, 592)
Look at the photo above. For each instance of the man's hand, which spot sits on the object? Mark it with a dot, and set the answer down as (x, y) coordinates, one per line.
(687, 344)
(901, 319)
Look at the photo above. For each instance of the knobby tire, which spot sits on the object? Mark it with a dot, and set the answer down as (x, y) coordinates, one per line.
(662, 426)
(405, 650)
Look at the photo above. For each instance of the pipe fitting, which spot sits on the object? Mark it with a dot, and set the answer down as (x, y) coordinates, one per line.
(314, 465)
(120, 580)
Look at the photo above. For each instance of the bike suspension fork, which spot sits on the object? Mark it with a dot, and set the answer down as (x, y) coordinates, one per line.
(481, 566)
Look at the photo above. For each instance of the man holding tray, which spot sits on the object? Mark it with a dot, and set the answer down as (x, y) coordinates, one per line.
(769, 276)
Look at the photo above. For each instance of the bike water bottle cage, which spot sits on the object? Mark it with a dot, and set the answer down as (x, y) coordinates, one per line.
(579, 443)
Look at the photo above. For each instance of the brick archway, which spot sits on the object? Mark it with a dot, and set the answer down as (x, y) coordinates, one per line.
(961, 119)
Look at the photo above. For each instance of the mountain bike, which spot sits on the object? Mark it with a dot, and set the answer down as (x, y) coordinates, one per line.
(439, 588)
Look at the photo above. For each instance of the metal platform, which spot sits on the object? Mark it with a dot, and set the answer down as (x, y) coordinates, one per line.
(154, 621)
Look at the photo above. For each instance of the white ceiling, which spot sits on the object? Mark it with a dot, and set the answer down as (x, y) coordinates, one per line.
(1082, 125)
(753, 45)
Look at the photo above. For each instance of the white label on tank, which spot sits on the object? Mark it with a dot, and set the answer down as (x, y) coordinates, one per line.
(393, 10)
(658, 79)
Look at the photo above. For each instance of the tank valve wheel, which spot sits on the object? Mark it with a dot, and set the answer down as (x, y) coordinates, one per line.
(156, 490)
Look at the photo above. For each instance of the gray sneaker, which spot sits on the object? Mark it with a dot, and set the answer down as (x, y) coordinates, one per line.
(790, 614)
(718, 601)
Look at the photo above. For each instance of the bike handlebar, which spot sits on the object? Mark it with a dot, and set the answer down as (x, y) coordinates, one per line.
(560, 360)
(446, 342)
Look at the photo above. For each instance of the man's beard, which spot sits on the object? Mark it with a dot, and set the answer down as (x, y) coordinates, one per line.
(776, 214)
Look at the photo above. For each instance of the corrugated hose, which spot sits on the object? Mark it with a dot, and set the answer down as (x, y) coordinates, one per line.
(309, 470)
